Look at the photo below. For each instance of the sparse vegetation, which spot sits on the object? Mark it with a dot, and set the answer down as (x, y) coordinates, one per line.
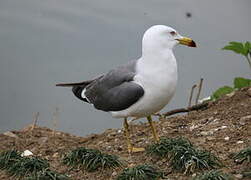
(240, 48)
(183, 155)
(213, 175)
(230, 112)
(91, 159)
(243, 155)
(21, 166)
(47, 174)
(247, 174)
(238, 83)
(28, 165)
(222, 91)
(140, 172)
(8, 158)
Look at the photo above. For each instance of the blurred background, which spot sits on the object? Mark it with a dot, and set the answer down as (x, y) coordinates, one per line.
(44, 42)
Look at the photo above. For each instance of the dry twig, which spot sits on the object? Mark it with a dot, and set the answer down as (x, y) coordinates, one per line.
(188, 109)
(35, 119)
(191, 95)
(199, 90)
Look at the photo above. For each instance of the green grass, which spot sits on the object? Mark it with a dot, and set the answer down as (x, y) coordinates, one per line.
(8, 158)
(30, 168)
(28, 165)
(141, 172)
(213, 175)
(47, 174)
(183, 155)
(243, 155)
(15, 165)
(91, 159)
(247, 174)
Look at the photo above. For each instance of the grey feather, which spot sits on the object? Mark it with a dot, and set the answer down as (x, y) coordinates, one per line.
(115, 91)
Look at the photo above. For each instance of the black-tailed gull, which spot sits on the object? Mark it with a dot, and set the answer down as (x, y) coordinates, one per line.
(143, 86)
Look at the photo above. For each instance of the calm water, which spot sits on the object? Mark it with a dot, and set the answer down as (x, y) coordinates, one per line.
(43, 42)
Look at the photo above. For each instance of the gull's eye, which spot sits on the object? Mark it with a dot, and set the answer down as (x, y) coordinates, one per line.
(173, 33)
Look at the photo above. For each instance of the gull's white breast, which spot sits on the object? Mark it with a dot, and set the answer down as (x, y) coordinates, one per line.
(159, 80)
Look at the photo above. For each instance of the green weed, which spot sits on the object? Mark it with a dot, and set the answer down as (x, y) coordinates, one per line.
(183, 155)
(141, 172)
(91, 159)
(243, 155)
(213, 175)
(47, 174)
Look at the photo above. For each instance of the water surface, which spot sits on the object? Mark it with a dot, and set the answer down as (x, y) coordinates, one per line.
(43, 42)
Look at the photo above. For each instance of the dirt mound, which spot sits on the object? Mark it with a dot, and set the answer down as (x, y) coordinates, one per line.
(223, 128)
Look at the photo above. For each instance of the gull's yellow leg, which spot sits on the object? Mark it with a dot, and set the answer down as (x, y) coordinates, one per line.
(127, 135)
(152, 125)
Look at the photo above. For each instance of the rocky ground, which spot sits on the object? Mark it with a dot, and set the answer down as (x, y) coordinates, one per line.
(222, 128)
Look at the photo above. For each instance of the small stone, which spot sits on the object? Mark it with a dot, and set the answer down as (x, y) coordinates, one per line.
(205, 99)
(206, 133)
(227, 138)
(26, 153)
(108, 147)
(230, 94)
(114, 173)
(210, 138)
(194, 174)
(10, 134)
(119, 131)
(223, 127)
(55, 155)
(193, 127)
(249, 92)
(43, 140)
(211, 118)
(245, 118)
(238, 176)
(240, 142)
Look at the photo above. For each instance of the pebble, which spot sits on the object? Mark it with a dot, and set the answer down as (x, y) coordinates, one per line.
(249, 92)
(26, 153)
(227, 138)
(230, 94)
(119, 131)
(194, 174)
(114, 173)
(240, 142)
(206, 133)
(223, 127)
(10, 134)
(193, 127)
(238, 176)
(43, 140)
(210, 138)
(55, 155)
(244, 118)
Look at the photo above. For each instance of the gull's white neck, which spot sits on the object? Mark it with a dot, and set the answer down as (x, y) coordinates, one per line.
(158, 62)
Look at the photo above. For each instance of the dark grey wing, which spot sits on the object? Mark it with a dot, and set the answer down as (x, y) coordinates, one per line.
(77, 88)
(116, 90)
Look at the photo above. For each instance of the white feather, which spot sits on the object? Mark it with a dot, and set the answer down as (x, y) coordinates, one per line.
(156, 72)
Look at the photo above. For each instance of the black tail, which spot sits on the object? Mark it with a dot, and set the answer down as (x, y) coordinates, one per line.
(84, 83)
(77, 88)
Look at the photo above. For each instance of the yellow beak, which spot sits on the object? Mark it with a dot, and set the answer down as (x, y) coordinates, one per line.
(187, 41)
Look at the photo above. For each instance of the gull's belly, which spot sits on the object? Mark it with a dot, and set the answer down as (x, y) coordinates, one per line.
(158, 92)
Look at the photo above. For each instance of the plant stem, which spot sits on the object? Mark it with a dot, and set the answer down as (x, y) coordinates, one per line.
(249, 61)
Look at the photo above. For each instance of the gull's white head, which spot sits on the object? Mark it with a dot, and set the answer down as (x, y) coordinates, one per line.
(160, 37)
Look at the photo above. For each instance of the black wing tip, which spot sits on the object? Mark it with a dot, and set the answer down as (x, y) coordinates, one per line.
(63, 85)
